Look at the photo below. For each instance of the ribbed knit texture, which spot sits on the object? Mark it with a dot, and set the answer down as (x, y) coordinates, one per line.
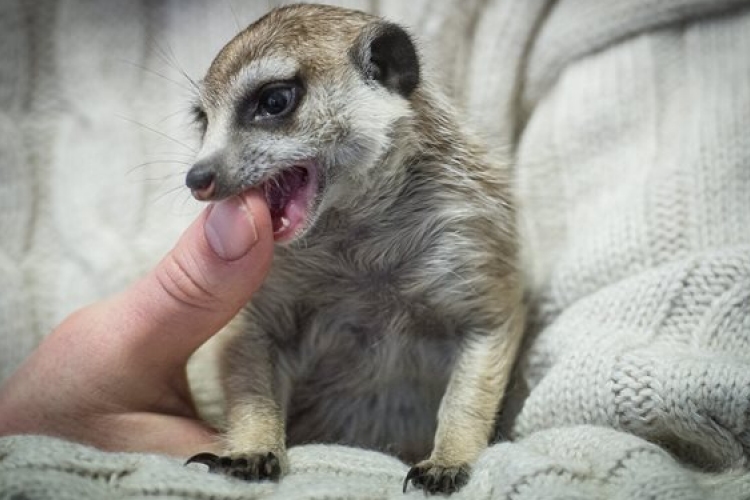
(628, 124)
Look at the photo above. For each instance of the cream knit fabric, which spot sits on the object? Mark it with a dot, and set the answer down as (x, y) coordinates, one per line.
(628, 125)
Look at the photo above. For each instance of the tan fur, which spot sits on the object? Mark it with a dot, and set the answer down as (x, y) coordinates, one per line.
(396, 316)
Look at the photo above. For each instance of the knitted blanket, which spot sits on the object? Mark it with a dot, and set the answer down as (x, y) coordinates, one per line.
(627, 123)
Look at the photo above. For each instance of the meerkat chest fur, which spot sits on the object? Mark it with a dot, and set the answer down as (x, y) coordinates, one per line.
(369, 311)
(391, 315)
(368, 358)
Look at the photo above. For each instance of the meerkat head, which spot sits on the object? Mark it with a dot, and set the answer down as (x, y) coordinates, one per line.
(303, 104)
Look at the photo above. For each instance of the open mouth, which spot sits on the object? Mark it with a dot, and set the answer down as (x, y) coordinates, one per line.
(290, 195)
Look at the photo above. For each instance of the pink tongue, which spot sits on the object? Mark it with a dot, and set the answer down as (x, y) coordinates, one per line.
(281, 196)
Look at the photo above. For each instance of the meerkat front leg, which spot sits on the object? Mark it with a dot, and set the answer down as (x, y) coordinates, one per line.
(469, 408)
(255, 443)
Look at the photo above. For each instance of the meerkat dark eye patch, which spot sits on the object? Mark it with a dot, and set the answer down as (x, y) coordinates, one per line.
(199, 117)
(272, 101)
(276, 100)
(385, 53)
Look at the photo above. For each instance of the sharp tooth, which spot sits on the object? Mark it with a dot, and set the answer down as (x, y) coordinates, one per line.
(284, 223)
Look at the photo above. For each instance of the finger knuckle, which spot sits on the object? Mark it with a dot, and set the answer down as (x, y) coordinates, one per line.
(185, 284)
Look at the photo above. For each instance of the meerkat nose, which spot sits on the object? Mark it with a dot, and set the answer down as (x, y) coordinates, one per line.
(201, 179)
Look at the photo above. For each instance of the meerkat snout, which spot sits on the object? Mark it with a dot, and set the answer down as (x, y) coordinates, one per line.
(201, 179)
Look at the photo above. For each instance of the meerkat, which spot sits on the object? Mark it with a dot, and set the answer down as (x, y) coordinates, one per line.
(392, 313)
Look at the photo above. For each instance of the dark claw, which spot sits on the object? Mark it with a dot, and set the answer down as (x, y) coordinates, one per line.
(413, 472)
(272, 466)
(255, 467)
(204, 458)
(437, 479)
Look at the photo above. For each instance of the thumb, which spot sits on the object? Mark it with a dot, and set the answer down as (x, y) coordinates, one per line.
(201, 284)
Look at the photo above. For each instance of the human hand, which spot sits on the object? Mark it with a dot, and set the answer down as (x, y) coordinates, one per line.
(112, 374)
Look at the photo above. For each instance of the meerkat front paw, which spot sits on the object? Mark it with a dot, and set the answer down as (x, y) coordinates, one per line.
(250, 467)
(435, 478)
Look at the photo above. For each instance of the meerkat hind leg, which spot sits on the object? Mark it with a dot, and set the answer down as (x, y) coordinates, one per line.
(255, 441)
(469, 408)
(256, 448)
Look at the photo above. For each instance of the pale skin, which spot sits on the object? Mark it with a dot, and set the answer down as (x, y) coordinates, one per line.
(112, 375)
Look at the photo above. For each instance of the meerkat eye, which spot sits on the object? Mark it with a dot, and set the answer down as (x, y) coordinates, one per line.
(277, 100)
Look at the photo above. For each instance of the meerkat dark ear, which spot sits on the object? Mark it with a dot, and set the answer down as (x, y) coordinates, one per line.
(385, 53)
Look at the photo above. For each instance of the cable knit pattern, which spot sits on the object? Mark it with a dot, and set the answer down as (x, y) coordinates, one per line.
(628, 126)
